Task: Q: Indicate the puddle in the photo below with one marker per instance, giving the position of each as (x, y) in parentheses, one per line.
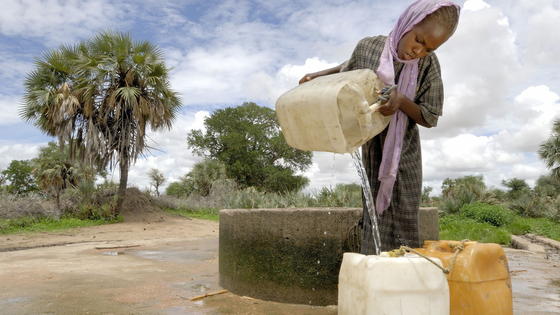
(196, 251)
(14, 300)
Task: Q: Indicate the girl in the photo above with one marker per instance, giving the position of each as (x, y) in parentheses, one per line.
(393, 158)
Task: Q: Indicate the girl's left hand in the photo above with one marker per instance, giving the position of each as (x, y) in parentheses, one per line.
(392, 105)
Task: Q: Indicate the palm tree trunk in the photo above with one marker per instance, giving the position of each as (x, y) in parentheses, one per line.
(123, 163)
(58, 201)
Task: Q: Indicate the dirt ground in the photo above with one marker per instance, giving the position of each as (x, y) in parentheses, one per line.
(172, 259)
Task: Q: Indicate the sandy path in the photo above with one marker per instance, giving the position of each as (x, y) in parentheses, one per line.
(165, 228)
(64, 273)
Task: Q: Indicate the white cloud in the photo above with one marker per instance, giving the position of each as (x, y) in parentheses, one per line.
(9, 107)
(534, 111)
(475, 5)
(14, 151)
(13, 70)
(59, 21)
(479, 67)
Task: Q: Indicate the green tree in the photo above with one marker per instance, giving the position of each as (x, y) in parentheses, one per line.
(179, 189)
(425, 198)
(517, 187)
(54, 171)
(156, 179)
(549, 151)
(548, 185)
(19, 175)
(248, 140)
(100, 96)
(200, 179)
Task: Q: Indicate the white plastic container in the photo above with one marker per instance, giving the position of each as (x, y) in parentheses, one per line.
(333, 113)
(391, 286)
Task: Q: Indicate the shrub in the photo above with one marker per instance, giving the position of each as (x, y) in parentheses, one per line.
(461, 191)
(32, 204)
(343, 195)
(485, 213)
(532, 205)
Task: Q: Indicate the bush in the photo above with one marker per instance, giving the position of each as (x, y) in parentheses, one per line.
(30, 205)
(343, 195)
(485, 213)
(461, 191)
(533, 205)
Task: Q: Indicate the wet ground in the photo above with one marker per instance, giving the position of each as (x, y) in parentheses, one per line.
(160, 275)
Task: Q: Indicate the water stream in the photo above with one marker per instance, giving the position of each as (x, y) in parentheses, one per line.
(357, 158)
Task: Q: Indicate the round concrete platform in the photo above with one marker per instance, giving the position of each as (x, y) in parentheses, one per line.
(293, 255)
(285, 255)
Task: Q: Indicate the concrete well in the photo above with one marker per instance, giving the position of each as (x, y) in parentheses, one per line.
(291, 255)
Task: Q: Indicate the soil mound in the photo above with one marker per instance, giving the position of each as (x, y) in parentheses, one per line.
(140, 207)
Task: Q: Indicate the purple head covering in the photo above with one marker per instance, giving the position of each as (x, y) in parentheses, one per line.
(392, 147)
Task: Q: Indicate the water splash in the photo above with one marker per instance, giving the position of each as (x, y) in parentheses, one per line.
(357, 158)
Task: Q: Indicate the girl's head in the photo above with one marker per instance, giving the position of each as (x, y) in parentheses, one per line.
(427, 35)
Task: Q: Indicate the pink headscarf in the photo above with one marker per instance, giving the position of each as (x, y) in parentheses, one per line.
(392, 148)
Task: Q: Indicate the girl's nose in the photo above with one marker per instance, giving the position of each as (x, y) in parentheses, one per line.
(417, 50)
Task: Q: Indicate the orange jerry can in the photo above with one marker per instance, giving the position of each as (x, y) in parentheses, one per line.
(479, 281)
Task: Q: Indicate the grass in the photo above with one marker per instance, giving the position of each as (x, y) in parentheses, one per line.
(542, 226)
(457, 227)
(30, 224)
(211, 214)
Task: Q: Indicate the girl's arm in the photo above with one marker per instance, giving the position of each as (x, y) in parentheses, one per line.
(311, 76)
(411, 109)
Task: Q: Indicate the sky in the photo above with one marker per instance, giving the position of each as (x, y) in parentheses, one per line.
(500, 72)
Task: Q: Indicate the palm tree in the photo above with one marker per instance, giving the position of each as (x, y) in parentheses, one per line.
(54, 172)
(550, 150)
(99, 96)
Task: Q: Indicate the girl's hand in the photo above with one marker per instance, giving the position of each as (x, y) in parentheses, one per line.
(310, 76)
(392, 105)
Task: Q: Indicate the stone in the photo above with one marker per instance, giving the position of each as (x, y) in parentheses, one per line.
(428, 224)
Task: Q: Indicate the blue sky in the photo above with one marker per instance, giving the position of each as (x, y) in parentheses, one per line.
(500, 72)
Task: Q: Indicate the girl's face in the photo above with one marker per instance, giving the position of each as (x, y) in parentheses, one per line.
(421, 40)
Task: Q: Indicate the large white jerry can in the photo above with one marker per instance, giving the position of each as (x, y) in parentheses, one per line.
(333, 113)
(375, 285)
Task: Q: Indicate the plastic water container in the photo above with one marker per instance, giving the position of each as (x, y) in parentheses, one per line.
(391, 285)
(333, 113)
(479, 281)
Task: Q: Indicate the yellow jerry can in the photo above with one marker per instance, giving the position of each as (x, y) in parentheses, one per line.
(478, 278)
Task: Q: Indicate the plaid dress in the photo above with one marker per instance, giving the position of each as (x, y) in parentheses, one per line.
(398, 225)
